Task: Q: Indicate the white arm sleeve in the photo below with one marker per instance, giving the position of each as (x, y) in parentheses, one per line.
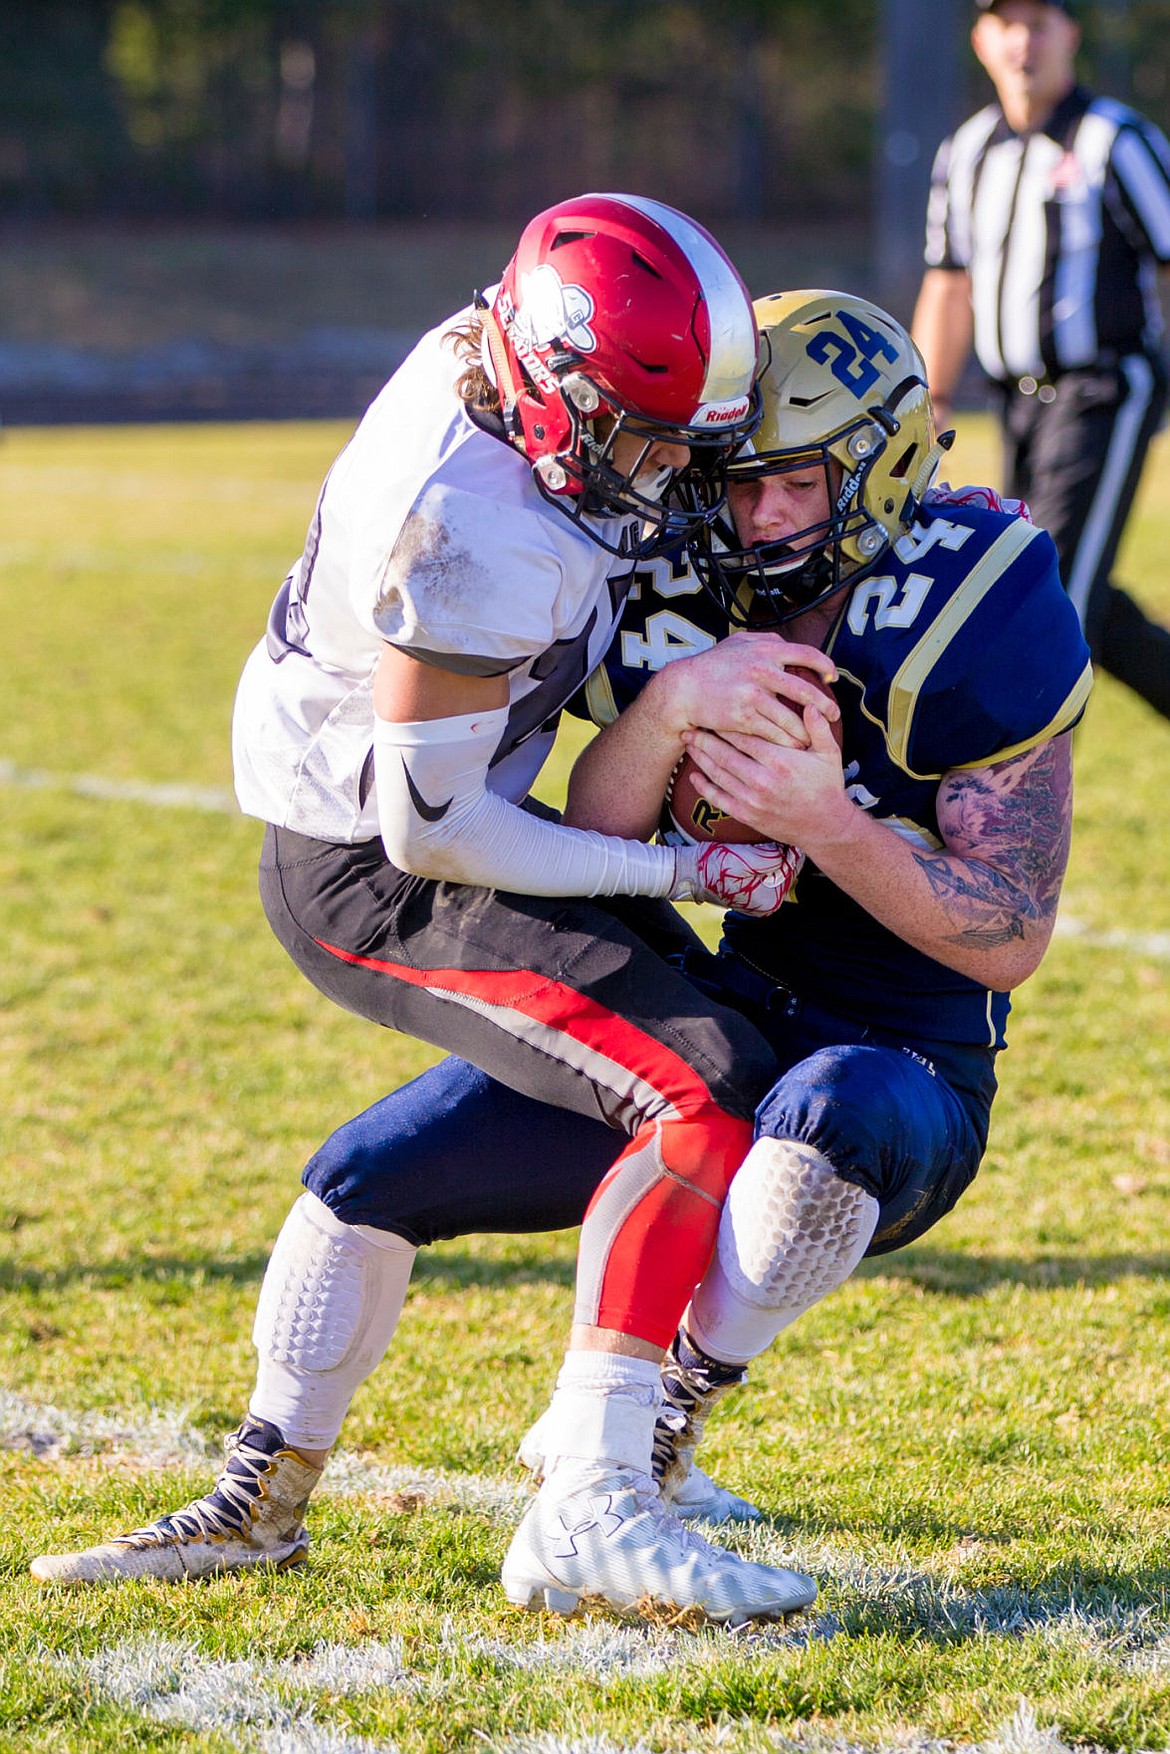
(439, 820)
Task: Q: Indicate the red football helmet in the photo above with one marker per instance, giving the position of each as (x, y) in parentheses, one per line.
(618, 315)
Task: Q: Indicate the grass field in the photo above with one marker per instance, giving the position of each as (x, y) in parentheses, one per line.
(968, 1445)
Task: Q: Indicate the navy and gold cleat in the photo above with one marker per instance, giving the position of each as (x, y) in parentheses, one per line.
(254, 1515)
(692, 1384)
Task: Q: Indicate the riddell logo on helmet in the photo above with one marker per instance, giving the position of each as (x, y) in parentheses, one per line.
(722, 413)
(848, 489)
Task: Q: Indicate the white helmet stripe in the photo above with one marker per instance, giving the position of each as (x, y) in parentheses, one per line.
(732, 364)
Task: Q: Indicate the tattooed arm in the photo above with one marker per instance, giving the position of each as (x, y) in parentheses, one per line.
(1006, 829)
(984, 904)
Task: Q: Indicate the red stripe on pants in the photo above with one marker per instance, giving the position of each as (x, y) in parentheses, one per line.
(657, 1254)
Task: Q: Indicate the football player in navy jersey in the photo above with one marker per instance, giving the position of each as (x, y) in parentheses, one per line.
(935, 840)
(934, 846)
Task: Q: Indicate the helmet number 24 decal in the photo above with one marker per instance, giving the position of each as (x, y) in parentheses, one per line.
(853, 365)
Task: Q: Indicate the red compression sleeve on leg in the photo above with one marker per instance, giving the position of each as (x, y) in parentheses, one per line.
(650, 1230)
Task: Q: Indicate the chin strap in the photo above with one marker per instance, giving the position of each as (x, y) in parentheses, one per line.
(501, 373)
(929, 466)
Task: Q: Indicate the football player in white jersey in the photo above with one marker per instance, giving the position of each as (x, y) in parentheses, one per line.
(464, 570)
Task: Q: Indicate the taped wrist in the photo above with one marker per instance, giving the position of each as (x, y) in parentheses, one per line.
(438, 819)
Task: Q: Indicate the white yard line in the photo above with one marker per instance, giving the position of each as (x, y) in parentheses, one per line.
(1020, 1734)
(154, 1439)
(1153, 944)
(249, 1702)
(171, 1682)
(166, 1439)
(217, 799)
(486, 1494)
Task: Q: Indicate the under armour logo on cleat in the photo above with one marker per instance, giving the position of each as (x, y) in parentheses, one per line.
(428, 812)
(604, 1518)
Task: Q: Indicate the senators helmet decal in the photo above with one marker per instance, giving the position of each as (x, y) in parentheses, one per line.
(549, 309)
(620, 317)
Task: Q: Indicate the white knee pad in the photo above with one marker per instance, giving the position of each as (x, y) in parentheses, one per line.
(791, 1232)
(329, 1305)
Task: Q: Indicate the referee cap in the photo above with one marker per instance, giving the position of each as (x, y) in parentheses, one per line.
(1060, 5)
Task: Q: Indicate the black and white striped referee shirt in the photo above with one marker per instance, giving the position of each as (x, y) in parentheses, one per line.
(1061, 231)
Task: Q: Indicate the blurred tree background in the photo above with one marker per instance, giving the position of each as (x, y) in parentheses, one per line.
(333, 174)
(383, 109)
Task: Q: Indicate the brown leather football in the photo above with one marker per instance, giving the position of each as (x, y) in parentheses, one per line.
(695, 817)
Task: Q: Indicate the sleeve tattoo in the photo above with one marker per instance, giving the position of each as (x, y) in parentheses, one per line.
(1007, 830)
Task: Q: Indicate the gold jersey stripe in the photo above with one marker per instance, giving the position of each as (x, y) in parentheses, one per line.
(907, 684)
(599, 697)
(1072, 707)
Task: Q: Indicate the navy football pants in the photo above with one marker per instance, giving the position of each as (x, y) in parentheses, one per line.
(454, 1153)
(1077, 461)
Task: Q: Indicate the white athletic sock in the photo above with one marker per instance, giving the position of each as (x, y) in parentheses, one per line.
(603, 1410)
(329, 1305)
(791, 1232)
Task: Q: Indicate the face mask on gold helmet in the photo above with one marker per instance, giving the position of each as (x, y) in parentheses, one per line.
(844, 390)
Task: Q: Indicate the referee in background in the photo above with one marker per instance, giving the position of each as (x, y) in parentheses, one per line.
(1049, 217)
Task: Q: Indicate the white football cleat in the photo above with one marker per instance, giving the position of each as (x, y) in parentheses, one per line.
(596, 1532)
(252, 1516)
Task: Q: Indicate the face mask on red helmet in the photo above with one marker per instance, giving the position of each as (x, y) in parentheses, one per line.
(620, 325)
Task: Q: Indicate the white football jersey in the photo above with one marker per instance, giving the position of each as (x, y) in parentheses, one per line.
(429, 533)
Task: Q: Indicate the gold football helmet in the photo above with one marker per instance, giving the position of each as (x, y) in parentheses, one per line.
(844, 390)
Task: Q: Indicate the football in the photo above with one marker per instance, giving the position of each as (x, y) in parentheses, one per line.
(694, 818)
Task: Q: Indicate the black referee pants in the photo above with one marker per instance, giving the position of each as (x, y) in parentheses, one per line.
(1076, 460)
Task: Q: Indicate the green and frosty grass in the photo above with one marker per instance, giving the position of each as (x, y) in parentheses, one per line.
(967, 1445)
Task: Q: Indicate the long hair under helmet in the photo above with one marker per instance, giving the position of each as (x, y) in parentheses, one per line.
(616, 315)
(844, 390)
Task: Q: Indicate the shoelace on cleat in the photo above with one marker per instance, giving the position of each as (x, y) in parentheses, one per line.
(690, 1391)
(226, 1510)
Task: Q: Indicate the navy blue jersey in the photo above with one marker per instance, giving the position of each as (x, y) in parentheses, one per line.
(963, 649)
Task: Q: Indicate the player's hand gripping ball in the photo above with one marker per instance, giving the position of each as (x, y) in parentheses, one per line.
(695, 819)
